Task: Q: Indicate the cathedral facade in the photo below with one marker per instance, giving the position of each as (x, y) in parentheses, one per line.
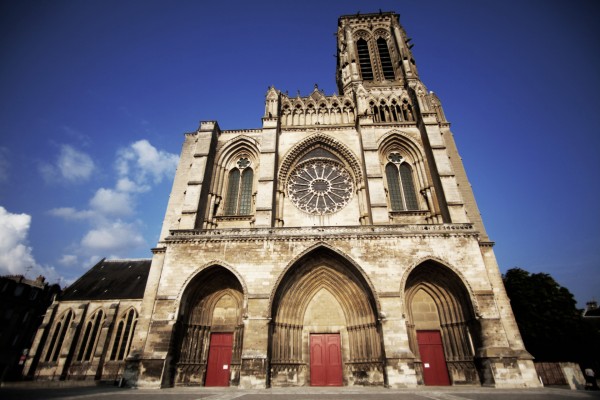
(339, 244)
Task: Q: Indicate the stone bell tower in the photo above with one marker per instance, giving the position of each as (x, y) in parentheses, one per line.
(374, 50)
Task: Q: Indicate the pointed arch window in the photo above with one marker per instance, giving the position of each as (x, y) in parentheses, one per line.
(58, 336)
(123, 335)
(401, 185)
(90, 337)
(386, 60)
(239, 189)
(364, 60)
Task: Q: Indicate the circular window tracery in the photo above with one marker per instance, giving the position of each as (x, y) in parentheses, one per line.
(320, 186)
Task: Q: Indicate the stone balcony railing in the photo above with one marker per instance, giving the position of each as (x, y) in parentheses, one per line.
(322, 232)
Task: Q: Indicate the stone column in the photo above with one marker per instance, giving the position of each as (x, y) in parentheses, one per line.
(254, 368)
(141, 366)
(399, 359)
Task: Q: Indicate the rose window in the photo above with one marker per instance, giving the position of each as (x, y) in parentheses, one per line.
(320, 186)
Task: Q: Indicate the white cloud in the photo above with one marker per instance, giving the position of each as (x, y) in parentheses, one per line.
(4, 164)
(74, 165)
(68, 260)
(71, 166)
(16, 257)
(129, 186)
(71, 213)
(144, 161)
(111, 232)
(116, 238)
(110, 202)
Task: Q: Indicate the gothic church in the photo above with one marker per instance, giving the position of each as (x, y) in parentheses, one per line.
(339, 244)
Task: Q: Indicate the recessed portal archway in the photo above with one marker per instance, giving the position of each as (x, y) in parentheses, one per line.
(324, 302)
(210, 330)
(443, 331)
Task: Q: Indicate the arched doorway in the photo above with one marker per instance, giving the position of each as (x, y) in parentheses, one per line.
(443, 331)
(324, 330)
(210, 330)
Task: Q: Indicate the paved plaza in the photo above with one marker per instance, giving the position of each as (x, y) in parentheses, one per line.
(303, 393)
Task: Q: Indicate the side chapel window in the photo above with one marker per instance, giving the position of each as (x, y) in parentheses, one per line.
(123, 335)
(90, 337)
(400, 182)
(239, 189)
(58, 336)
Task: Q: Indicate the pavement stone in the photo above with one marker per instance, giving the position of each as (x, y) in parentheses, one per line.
(23, 392)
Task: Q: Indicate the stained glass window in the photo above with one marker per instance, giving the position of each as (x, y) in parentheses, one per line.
(401, 186)
(320, 186)
(239, 189)
(233, 189)
(124, 335)
(246, 192)
(391, 173)
(88, 343)
(408, 187)
(58, 336)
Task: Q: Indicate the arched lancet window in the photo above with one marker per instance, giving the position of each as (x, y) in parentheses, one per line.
(396, 111)
(90, 337)
(384, 112)
(407, 111)
(400, 182)
(364, 59)
(58, 336)
(123, 335)
(386, 60)
(239, 189)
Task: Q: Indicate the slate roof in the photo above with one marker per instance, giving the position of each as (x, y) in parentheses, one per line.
(111, 279)
(594, 312)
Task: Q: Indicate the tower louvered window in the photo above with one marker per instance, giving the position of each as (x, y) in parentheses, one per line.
(386, 60)
(364, 59)
(239, 189)
(401, 187)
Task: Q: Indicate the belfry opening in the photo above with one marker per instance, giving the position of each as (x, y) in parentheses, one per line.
(324, 329)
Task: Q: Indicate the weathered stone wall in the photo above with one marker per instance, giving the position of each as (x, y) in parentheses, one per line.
(384, 256)
(67, 365)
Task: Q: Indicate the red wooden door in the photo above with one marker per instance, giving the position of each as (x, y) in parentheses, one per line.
(435, 371)
(325, 360)
(219, 359)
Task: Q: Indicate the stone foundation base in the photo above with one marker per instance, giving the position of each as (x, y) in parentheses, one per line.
(401, 373)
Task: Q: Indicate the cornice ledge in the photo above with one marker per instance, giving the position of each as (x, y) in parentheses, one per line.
(322, 233)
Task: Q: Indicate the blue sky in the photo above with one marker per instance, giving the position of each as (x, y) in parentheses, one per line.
(95, 97)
